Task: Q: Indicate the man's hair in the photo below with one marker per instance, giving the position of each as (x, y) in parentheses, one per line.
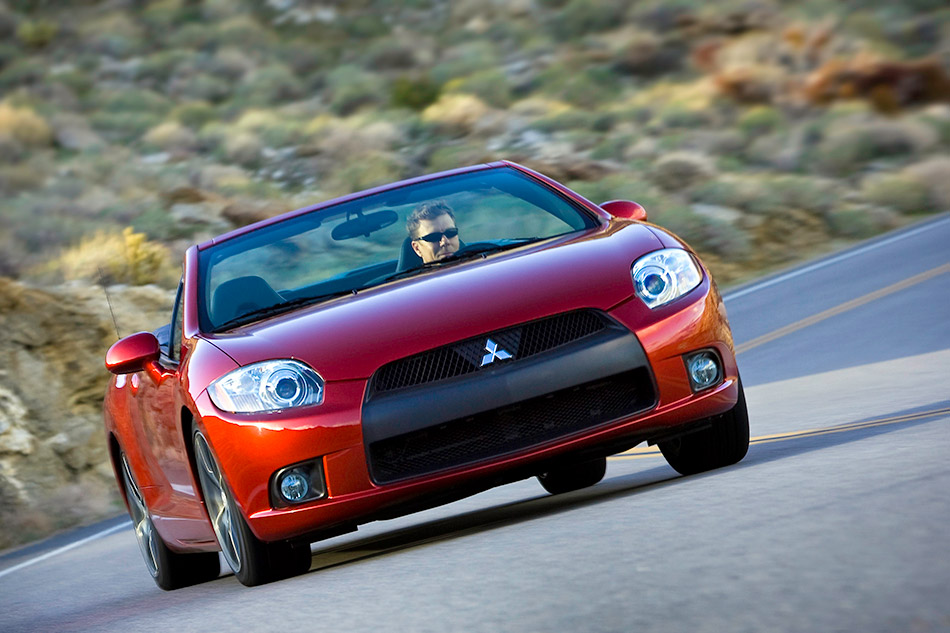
(428, 210)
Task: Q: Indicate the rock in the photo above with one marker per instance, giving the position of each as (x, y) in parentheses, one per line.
(16, 440)
(53, 453)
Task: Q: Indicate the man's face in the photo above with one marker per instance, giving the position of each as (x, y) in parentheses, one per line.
(445, 246)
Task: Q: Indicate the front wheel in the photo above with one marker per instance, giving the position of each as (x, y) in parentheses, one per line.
(723, 443)
(253, 561)
(573, 476)
(169, 569)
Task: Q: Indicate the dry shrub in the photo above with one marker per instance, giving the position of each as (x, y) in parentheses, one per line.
(370, 170)
(705, 233)
(787, 237)
(452, 155)
(730, 190)
(681, 170)
(860, 221)
(126, 257)
(273, 128)
(115, 34)
(414, 93)
(752, 83)
(849, 145)
(24, 126)
(890, 86)
(171, 136)
(769, 195)
(243, 148)
(785, 192)
(353, 136)
(760, 119)
(458, 113)
(901, 192)
(37, 33)
(934, 173)
(20, 177)
(697, 97)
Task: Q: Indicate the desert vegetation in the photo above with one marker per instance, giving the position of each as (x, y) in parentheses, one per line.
(763, 131)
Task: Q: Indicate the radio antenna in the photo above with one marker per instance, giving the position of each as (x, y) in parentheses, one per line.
(115, 322)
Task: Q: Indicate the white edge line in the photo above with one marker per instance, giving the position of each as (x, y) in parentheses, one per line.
(65, 548)
(832, 260)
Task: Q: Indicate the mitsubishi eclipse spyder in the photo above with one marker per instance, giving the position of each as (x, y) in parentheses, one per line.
(405, 347)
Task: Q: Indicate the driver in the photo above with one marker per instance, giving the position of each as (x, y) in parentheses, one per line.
(431, 227)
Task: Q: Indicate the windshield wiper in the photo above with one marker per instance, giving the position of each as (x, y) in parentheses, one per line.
(279, 308)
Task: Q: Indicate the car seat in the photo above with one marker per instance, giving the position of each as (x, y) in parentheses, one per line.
(241, 295)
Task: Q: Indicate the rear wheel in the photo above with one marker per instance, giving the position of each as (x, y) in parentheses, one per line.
(573, 476)
(169, 569)
(252, 560)
(723, 443)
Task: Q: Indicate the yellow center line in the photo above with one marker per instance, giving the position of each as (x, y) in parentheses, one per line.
(844, 307)
(652, 451)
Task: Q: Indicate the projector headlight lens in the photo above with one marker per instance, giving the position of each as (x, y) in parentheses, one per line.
(664, 275)
(272, 385)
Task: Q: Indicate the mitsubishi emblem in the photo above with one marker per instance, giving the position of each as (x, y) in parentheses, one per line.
(493, 352)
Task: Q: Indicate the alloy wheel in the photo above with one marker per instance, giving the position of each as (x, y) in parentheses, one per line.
(220, 509)
(141, 521)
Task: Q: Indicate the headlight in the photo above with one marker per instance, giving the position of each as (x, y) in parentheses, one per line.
(269, 386)
(662, 276)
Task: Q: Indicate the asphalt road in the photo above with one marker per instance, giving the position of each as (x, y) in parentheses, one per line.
(837, 520)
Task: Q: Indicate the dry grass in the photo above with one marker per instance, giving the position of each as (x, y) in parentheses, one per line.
(24, 126)
(126, 257)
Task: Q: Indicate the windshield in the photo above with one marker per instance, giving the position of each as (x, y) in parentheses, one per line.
(365, 242)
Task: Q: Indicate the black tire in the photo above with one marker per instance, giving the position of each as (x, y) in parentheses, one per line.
(574, 476)
(170, 570)
(253, 561)
(724, 443)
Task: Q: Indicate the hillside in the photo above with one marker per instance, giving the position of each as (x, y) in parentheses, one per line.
(763, 132)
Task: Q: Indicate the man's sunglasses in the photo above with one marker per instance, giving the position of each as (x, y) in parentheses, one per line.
(435, 238)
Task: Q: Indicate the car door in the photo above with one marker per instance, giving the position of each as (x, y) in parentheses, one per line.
(176, 508)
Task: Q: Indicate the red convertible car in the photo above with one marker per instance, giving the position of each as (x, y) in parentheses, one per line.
(402, 348)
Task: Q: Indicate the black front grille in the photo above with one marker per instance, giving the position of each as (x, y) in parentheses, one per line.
(511, 428)
(464, 357)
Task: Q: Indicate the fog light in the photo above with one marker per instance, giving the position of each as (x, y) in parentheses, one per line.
(704, 370)
(294, 486)
(298, 483)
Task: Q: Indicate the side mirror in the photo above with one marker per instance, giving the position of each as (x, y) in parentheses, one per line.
(133, 353)
(625, 209)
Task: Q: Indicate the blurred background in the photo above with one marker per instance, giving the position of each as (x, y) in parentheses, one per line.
(762, 132)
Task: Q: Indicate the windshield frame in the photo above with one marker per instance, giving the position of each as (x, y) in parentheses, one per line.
(211, 251)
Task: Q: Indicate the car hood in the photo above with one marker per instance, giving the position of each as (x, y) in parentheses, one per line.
(348, 338)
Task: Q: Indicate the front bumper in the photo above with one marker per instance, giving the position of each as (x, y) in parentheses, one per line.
(360, 439)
